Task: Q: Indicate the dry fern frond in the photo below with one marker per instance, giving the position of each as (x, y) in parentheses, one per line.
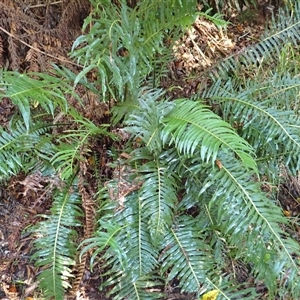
(89, 210)
(44, 28)
(14, 58)
(31, 57)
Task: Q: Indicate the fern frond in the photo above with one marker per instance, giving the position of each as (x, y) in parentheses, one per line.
(113, 46)
(56, 246)
(193, 128)
(145, 122)
(284, 29)
(263, 112)
(245, 215)
(130, 262)
(73, 143)
(17, 142)
(25, 91)
(144, 287)
(185, 255)
(158, 197)
(190, 126)
(126, 108)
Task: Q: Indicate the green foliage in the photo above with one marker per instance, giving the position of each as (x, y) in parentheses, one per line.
(17, 142)
(56, 244)
(194, 200)
(265, 115)
(284, 29)
(125, 45)
(27, 92)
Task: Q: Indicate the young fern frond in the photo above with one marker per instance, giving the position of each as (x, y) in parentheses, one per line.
(56, 244)
(145, 120)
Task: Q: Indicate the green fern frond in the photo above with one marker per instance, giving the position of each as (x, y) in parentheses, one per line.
(145, 122)
(193, 128)
(263, 113)
(245, 215)
(185, 255)
(158, 197)
(144, 287)
(130, 262)
(26, 92)
(285, 29)
(56, 246)
(74, 143)
(124, 109)
(113, 46)
(104, 237)
(190, 126)
(17, 142)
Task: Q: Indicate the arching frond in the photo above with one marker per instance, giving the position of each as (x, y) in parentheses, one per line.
(27, 92)
(284, 29)
(246, 215)
(194, 128)
(190, 126)
(263, 113)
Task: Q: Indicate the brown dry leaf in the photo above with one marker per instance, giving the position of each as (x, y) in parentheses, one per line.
(32, 183)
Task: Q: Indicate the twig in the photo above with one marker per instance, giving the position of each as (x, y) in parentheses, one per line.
(42, 5)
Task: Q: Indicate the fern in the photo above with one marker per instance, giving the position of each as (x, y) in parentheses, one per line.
(132, 263)
(284, 29)
(192, 200)
(113, 47)
(56, 244)
(27, 92)
(191, 159)
(265, 118)
(72, 146)
(17, 142)
(187, 259)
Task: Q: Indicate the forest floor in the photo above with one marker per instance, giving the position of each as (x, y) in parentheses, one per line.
(196, 53)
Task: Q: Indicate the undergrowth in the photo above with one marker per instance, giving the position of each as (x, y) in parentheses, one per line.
(186, 196)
